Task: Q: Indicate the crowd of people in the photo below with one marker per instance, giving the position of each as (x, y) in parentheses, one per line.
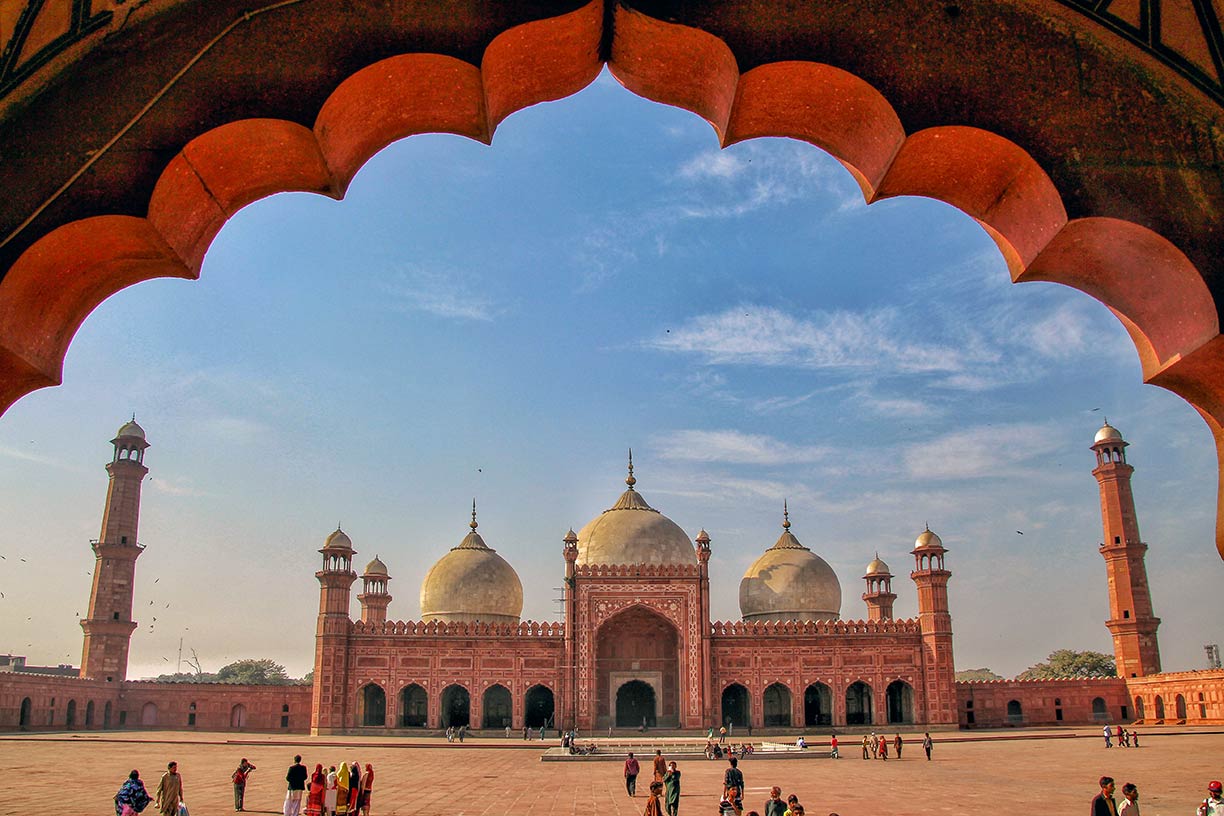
(339, 790)
(1126, 739)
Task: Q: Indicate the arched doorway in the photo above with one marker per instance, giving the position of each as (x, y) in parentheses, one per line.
(900, 699)
(496, 706)
(1159, 707)
(70, 714)
(640, 645)
(27, 709)
(456, 706)
(238, 716)
(538, 707)
(148, 714)
(735, 705)
(1099, 711)
(636, 705)
(414, 707)
(777, 706)
(89, 714)
(1179, 706)
(817, 705)
(858, 704)
(106, 715)
(1015, 712)
(372, 706)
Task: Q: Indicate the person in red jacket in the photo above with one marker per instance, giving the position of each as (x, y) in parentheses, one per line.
(631, 773)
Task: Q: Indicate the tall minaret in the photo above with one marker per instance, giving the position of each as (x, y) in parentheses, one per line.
(1130, 602)
(109, 625)
(931, 579)
(374, 597)
(879, 595)
(328, 707)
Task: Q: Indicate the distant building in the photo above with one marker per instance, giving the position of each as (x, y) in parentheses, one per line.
(636, 646)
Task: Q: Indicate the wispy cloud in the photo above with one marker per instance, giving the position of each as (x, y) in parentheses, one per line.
(762, 335)
(31, 456)
(733, 447)
(989, 450)
(172, 488)
(449, 294)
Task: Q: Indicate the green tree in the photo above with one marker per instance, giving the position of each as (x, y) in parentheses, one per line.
(1070, 663)
(263, 672)
(976, 676)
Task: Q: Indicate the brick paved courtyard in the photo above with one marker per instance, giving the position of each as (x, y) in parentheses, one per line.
(970, 774)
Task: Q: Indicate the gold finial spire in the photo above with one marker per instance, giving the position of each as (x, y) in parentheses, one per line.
(630, 480)
(785, 516)
(472, 523)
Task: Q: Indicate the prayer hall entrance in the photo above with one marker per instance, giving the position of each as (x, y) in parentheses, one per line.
(637, 668)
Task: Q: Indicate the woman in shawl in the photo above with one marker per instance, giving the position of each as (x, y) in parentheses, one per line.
(355, 788)
(342, 789)
(314, 797)
(368, 788)
(132, 796)
(653, 807)
(329, 796)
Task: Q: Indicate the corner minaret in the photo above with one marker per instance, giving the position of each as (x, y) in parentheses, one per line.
(939, 672)
(328, 708)
(374, 597)
(879, 595)
(109, 625)
(1131, 620)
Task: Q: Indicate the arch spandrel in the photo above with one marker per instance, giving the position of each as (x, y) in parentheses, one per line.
(1109, 121)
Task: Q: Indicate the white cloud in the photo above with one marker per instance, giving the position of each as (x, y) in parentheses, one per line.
(448, 294)
(31, 456)
(897, 407)
(734, 447)
(990, 450)
(759, 335)
(171, 488)
(712, 164)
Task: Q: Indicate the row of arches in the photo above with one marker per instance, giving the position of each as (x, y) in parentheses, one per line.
(778, 710)
(1180, 708)
(72, 716)
(455, 707)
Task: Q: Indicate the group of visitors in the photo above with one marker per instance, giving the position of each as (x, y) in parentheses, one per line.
(717, 750)
(1126, 739)
(1105, 804)
(133, 798)
(665, 783)
(456, 733)
(340, 790)
(876, 747)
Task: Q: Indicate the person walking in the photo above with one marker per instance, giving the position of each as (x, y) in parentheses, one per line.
(774, 806)
(671, 785)
(1213, 805)
(367, 789)
(132, 797)
(240, 779)
(897, 743)
(1108, 732)
(296, 779)
(1130, 800)
(1103, 803)
(833, 747)
(1123, 742)
(653, 805)
(314, 795)
(883, 752)
(329, 793)
(927, 744)
(733, 785)
(660, 766)
(170, 791)
(632, 768)
(865, 748)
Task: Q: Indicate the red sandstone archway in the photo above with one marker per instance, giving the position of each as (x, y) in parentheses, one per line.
(991, 161)
(638, 645)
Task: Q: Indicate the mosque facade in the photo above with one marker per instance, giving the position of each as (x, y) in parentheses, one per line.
(636, 647)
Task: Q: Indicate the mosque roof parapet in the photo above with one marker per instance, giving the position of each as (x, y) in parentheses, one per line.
(634, 570)
(525, 629)
(1092, 678)
(742, 628)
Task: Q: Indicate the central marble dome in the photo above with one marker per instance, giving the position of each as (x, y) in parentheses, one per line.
(472, 583)
(789, 582)
(632, 532)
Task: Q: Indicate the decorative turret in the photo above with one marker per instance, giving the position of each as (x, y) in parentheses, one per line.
(931, 580)
(374, 598)
(879, 595)
(1131, 619)
(109, 625)
(329, 712)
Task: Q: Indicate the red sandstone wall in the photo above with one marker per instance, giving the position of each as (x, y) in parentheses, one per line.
(1040, 702)
(1201, 693)
(50, 699)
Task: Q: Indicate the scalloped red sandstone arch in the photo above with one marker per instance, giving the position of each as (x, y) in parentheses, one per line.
(1146, 281)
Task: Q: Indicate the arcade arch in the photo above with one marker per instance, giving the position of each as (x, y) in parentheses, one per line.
(735, 707)
(776, 703)
(238, 716)
(456, 706)
(148, 714)
(414, 706)
(899, 699)
(637, 670)
(539, 705)
(372, 705)
(496, 707)
(859, 704)
(818, 705)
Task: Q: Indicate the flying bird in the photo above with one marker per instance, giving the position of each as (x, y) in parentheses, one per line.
(1019, 533)
(155, 580)
(1096, 409)
(23, 560)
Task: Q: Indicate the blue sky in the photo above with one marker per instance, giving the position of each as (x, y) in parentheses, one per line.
(502, 323)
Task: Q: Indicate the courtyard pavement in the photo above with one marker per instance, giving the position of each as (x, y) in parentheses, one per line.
(1048, 772)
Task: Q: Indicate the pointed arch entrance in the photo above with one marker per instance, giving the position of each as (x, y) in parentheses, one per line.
(456, 706)
(900, 700)
(859, 704)
(776, 705)
(818, 705)
(414, 706)
(538, 707)
(496, 706)
(637, 670)
(735, 706)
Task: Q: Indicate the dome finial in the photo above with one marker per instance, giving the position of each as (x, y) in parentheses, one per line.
(630, 480)
(472, 523)
(785, 516)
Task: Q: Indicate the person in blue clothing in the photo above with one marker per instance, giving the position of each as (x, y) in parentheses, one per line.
(132, 796)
